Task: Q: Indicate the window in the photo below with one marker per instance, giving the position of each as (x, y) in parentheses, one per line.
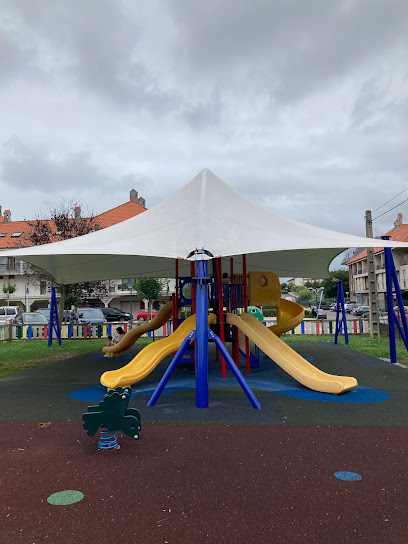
(16, 234)
(3, 234)
(43, 287)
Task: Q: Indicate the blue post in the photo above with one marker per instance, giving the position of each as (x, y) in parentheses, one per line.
(400, 302)
(343, 322)
(390, 306)
(170, 370)
(53, 317)
(234, 369)
(201, 337)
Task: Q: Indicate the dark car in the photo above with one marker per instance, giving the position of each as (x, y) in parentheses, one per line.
(30, 318)
(44, 311)
(324, 305)
(362, 311)
(87, 315)
(350, 307)
(113, 314)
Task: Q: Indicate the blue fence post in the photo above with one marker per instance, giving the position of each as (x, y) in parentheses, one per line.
(54, 321)
(343, 322)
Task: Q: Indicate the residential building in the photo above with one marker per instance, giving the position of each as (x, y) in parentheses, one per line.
(32, 291)
(358, 274)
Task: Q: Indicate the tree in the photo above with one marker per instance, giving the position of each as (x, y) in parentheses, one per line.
(330, 284)
(9, 289)
(302, 293)
(63, 223)
(150, 289)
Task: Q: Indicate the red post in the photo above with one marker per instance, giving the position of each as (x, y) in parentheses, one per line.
(232, 292)
(221, 312)
(233, 298)
(245, 287)
(175, 299)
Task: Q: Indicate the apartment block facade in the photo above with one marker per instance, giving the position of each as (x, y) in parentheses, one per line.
(358, 274)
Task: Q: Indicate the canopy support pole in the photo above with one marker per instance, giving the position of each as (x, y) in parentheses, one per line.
(201, 335)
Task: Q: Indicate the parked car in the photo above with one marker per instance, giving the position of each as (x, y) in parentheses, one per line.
(324, 305)
(45, 312)
(397, 310)
(350, 307)
(8, 313)
(142, 314)
(66, 314)
(333, 307)
(362, 311)
(30, 318)
(87, 315)
(113, 314)
(321, 314)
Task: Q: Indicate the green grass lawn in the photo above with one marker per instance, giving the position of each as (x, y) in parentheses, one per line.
(377, 347)
(23, 354)
(20, 355)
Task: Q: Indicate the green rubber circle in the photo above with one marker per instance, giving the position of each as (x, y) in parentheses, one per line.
(62, 498)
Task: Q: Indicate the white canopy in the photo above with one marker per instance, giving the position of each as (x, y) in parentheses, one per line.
(204, 214)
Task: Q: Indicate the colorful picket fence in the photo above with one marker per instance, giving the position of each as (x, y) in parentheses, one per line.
(77, 332)
(323, 326)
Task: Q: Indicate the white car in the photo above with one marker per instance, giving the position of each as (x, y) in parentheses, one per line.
(8, 313)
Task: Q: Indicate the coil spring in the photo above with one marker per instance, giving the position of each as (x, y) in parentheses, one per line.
(108, 440)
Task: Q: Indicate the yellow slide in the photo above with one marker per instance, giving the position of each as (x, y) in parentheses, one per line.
(300, 369)
(289, 316)
(162, 316)
(147, 359)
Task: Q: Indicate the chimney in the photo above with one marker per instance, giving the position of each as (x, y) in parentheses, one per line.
(77, 213)
(133, 195)
(7, 217)
(397, 222)
(142, 201)
(0, 211)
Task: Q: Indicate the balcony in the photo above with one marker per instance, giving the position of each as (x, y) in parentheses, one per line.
(10, 269)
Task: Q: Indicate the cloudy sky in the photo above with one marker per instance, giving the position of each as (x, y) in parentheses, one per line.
(300, 106)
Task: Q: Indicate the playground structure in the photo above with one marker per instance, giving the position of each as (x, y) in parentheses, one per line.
(162, 316)
(263, 289)
(206, 215)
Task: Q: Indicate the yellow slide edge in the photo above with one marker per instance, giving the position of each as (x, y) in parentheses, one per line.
(288, 359)
(149, 357)
(162, 316)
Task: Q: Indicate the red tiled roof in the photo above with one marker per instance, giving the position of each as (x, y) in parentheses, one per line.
(120, 213)
(401, 235)
(106, 219)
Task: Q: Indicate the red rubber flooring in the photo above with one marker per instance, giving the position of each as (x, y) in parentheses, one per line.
(201, 484)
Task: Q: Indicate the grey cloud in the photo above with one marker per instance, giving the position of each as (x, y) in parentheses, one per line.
(31, 167)
(289, 48)
(99, 41)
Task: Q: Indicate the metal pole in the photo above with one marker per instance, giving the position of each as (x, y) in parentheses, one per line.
(372, 281)
(175, 300)
(245, 287)
(201, 337)
(221, 314)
